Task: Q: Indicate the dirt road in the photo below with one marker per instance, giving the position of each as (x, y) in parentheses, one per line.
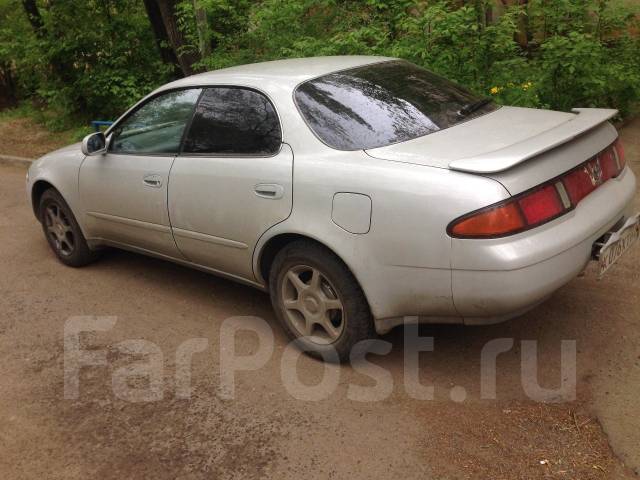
(264, 431)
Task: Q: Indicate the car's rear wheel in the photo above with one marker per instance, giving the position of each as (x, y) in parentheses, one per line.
(318, 301)
(62, 231)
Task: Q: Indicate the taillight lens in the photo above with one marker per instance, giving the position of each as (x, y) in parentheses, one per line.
(498, 221)
(515, 215)
(608, 164)
(543, 203)
(579, 182)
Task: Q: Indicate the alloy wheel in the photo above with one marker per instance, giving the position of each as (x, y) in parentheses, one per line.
(312, 305)
(59, 229)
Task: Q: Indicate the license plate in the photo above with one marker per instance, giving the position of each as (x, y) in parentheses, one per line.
(618, 243)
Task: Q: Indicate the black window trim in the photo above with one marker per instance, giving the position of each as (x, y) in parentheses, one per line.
(180, 152)
(304, 119)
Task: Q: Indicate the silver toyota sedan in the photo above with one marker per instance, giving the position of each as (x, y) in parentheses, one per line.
(361, 192)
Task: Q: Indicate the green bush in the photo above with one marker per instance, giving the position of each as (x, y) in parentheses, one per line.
(92, 59)
(96, 57)
(578, 53)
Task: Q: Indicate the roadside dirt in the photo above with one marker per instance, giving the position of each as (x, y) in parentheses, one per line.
(265, 432)
(23, 137)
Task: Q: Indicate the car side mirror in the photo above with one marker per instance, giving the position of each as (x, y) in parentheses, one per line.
(94, 144)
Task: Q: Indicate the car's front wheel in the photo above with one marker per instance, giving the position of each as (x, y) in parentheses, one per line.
(318, 301)
(62, 231)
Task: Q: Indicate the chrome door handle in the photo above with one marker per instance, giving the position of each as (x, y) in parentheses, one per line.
(152, 181)
(269, 190)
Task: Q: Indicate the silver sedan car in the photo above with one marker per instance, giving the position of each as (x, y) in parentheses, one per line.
(361, 192)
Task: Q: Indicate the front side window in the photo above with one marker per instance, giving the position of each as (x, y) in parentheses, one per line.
(157, 126)
(231, 120)
(384, 103)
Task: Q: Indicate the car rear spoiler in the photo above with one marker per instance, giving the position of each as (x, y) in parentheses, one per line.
(500, 160)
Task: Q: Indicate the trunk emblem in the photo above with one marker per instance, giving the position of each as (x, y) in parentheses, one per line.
(594, 171)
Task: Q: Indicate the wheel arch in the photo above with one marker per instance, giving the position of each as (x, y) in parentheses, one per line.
(37, 190)
(268, 251)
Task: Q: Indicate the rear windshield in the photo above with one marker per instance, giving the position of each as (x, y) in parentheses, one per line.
(384, 103)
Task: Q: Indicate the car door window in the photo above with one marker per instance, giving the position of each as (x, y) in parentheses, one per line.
(231, 120)
(157, 126)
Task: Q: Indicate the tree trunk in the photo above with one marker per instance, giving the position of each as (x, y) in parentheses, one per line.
(35, 19)
(176, 37)
(523, 26)
(522, 35)
(204, 44)
(8, 94)
(162, 38)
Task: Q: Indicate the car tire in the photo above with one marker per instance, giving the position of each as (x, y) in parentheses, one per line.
(318, 301)
(62, 231)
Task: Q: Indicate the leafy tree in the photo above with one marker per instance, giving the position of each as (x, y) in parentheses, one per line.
(92, 58)
(96, 57)
(554, 54)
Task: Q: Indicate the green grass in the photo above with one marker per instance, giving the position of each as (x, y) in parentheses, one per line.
(22, 110)
(73, 128)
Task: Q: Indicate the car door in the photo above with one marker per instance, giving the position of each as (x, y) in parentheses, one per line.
(232, 180)
(124, 192)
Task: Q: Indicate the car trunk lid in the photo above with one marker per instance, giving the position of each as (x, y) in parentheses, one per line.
(497, 141)
(502, 144)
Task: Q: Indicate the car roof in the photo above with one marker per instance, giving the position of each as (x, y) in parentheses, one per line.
(288, 72)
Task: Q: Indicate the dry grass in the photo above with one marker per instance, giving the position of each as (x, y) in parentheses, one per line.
(524, 441)
(24, 137)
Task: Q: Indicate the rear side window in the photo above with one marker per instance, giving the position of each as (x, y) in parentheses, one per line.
(231, 120)
(384, 103)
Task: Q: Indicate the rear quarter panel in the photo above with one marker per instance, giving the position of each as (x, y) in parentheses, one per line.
(403, 261)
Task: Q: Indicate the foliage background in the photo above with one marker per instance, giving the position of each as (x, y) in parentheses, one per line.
(94, 58)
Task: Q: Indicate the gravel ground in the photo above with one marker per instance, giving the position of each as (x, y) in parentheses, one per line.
(265, 432)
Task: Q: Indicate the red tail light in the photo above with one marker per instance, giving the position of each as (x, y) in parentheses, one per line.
(579, 182)
(543, 203)
(608, 164)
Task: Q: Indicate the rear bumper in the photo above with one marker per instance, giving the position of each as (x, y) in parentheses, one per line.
(493, 280)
